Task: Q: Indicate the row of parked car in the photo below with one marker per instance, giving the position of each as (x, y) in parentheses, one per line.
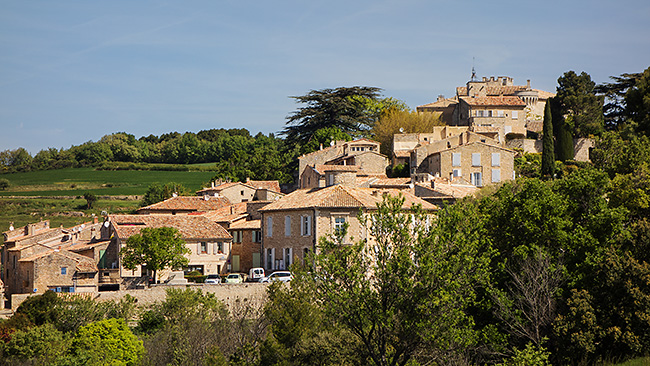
(254, 275)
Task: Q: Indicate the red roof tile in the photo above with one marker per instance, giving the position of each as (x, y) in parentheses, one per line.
(190, 226)
(188, 203)
(494, 101)
(341, 196)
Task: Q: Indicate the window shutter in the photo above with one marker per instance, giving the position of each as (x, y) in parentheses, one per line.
(496, 159)
(455, 159)
(269, 226)
(287, 226)
(476, 159)
(496, 175)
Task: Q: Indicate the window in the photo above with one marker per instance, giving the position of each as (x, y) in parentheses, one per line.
(500, 113)
(287, 254)
(64, 270)
(203, 247)
(330, 179)
(242, 193)
(269, 226)
(257, 236)
(220, 247)
(339, 223)
(476, 179)
(237, 236)
(305, 225)
(455, 159)
(287, 226)
(476, 159)
(457, 173)
(496, 159)
(496, 175)
(270, 258)
(515, 114)
(508, 129)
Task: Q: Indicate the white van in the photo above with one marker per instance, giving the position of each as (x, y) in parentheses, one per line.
(255, 274)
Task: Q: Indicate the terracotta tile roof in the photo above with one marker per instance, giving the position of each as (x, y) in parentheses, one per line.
(322, 168)
(440, 103)
(85, 245)
(190, 226)
(449, 190)
(541, 94)
(495, 90)
(271, 185)
(188, 203)
(391, 182)
(494, 101)
(83, 264)
(246, 225)
(341, 196)
(402, 153)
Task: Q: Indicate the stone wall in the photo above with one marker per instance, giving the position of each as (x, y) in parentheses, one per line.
(228, 293)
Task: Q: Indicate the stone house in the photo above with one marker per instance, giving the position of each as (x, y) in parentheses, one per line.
(476, 162)
(33, 257)
(209, 243)
(246, 245)
(183, 205)
(242, 221)
(59, 271)
(344, 153)
(487, 111)
(251, 190)
(292, 225)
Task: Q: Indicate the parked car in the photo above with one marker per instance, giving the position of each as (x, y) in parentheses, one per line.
(213, 279)
(235, 278)
(255, 274)
(284, 276)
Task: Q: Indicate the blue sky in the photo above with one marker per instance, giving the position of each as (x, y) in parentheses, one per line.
(73, 71)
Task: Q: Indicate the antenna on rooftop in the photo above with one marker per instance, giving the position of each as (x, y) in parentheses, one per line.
(473, 70)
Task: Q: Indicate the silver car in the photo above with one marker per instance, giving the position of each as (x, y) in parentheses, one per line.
(284, 276)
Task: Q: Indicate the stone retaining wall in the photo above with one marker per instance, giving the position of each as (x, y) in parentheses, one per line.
(228, 293)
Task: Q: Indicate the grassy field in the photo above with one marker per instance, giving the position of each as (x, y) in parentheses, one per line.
(75, 182)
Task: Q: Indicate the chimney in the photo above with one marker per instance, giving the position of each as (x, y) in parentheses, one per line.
(321, 146)
(528, 84)
(212, 184)
(441, 97)
(375, 193)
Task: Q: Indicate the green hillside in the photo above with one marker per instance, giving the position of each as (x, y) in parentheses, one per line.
(76, 181)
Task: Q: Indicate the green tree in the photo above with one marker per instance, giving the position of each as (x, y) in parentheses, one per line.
(637, 103)
(394, 121)
(90, 198)
(158, 248)
(41, 345)
(4, 184)
(548, 152)
(581, 108)
(329, 108)
(107, 342)
(406, 296)
(563, 131)
(158, 193)
(323, 138)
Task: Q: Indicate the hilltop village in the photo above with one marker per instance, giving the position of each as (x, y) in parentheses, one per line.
(236, 226)
(504, 225)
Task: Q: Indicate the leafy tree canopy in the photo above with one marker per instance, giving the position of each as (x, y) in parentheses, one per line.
(581, 107)
(395, 120)
(158, 193)
(340, 107)
(158, 248)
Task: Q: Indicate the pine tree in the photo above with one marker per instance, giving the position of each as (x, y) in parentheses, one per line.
(548, 153)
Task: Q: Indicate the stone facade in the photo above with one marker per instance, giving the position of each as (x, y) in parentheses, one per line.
(292, 226)
(478, 163)
(339, 150)
(246, 246)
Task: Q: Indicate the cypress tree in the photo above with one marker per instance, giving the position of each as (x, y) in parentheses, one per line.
(548, 152)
